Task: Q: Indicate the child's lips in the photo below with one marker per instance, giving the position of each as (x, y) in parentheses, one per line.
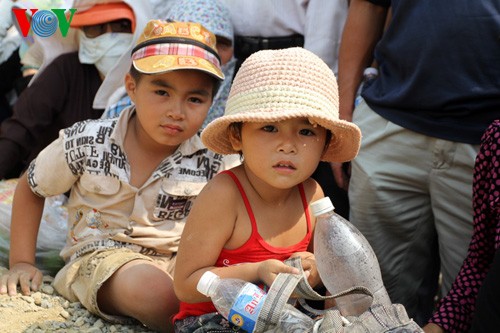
(171, 128)
(284, 165)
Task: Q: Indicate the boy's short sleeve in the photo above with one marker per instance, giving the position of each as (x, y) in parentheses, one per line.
(49, 174)
(230, 161)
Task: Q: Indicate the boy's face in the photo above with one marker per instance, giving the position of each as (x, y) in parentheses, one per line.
(282, 153)
(172, 106)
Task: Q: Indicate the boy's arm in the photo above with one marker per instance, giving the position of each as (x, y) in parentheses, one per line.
(27, 210)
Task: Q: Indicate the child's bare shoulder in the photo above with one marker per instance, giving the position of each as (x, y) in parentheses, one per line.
(312, 189)
(222, 187)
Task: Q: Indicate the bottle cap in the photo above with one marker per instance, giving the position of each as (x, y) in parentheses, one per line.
(321, 206)
(370, 71)
(205, 282)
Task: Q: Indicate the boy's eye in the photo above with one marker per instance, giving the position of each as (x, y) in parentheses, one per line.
(195, 100)
(161, 92)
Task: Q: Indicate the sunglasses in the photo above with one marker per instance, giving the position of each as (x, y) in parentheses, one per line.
(93, 31)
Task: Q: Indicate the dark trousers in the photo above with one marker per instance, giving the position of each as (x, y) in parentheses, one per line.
(487, 316)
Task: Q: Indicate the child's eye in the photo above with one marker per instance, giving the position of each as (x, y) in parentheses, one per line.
(269, 128)
(161, 92)
(195, 100)
(306, 132)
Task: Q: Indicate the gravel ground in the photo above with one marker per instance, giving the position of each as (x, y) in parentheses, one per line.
(45, 311)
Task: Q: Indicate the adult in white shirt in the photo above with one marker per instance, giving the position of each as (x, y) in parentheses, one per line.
(320, 22)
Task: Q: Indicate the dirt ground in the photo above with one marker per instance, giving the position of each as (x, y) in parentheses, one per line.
(17, 313)
(45, 311)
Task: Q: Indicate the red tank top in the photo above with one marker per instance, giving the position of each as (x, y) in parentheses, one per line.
(255, 249)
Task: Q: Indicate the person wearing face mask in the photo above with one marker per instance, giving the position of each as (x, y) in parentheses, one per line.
(79, 74)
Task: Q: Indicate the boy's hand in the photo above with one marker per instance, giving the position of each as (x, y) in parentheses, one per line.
(309, 266)
(27, 276)
(269, 269)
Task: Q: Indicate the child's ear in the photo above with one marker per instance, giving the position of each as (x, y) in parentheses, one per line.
(234, 138)
(130, 86)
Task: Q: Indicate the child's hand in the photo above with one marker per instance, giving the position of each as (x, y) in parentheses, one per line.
(269, 269)
(27, 276)
(309, 266)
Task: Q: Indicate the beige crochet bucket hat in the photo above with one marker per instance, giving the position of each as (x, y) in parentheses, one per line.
(273, 85)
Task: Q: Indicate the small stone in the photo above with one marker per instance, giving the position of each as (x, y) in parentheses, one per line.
(76, 305)
(49, 290)
(93, 330)
(98, 323)
(37, 297)
(48, 279)
(46, 304)
(28, 299)
(79, 322)
(65, 314)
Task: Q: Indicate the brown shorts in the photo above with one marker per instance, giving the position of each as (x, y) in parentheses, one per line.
(81, 278)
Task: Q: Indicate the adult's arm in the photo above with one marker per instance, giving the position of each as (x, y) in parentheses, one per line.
(363, 29)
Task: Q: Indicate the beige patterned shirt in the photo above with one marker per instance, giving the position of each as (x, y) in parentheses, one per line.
(104, 210)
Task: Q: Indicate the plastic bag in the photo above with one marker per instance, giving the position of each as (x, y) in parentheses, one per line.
(51, 235)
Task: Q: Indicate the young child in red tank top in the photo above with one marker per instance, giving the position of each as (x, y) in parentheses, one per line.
(282, 118)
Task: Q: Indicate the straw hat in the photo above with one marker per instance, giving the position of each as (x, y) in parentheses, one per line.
(274, 85)
(165, 46)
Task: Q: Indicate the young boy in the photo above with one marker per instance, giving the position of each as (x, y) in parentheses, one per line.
(133, 180)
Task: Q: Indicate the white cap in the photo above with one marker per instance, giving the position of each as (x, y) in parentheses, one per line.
(206, 281)
(370, 71)
(321, 206)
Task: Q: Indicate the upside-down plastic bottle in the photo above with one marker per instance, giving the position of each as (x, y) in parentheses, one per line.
(345, 259)
(240, 302)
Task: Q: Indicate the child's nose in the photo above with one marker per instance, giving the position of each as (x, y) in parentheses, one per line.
(287, 145)
(175, 110)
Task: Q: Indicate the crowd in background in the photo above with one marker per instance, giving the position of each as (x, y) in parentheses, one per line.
(423, 188)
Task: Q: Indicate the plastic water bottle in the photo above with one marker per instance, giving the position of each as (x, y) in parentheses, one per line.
(240, 302)
(345, 259)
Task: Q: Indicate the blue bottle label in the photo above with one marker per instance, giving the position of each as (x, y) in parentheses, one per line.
(246, 307)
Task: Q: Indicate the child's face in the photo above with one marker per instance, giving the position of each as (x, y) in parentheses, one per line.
(172, 106)
(283, 153)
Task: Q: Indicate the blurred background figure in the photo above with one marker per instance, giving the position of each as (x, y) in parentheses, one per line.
(473, 302)
(422, 119)
(275, 24)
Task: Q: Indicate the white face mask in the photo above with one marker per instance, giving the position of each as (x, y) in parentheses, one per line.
(103, 51)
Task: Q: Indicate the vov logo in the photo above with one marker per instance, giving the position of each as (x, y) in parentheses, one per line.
(44, 23)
